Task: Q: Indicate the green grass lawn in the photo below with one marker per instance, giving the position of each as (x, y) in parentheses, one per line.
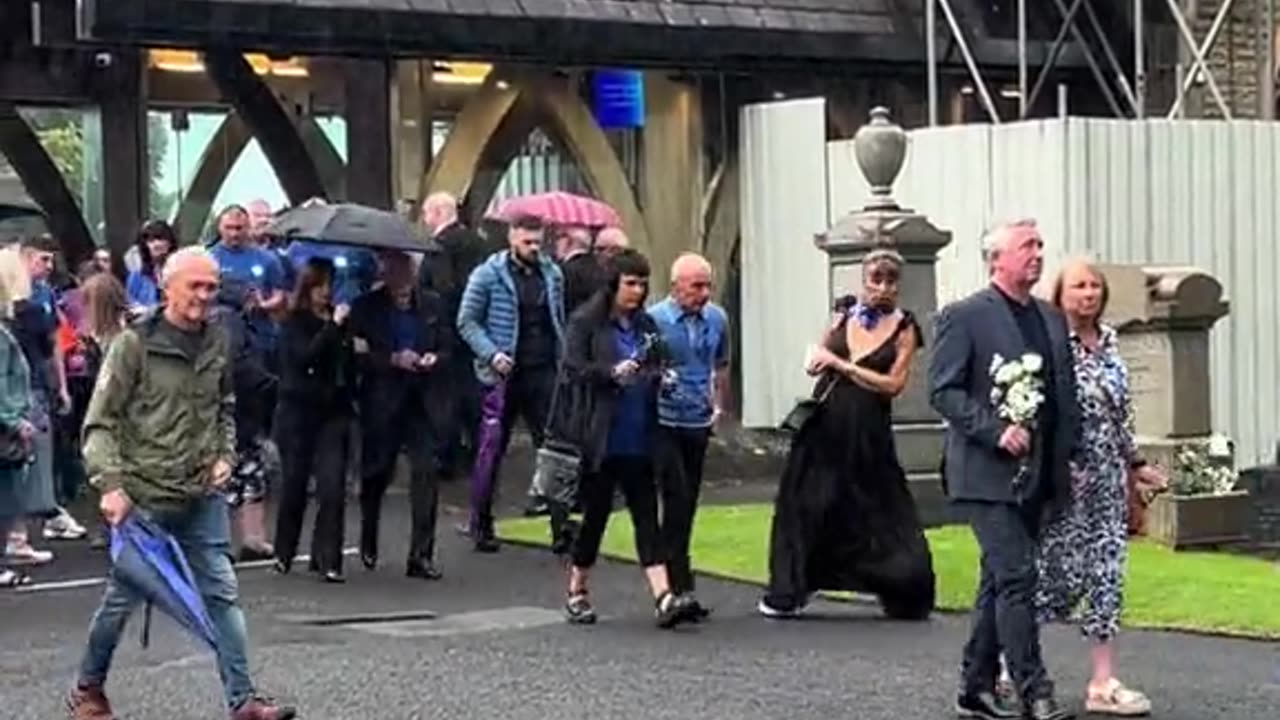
(1184, 590)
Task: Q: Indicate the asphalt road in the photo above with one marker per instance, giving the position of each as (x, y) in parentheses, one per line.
(488, 642)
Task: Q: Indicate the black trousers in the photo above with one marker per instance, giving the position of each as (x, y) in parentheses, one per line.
(457, 441)
(635, 475)
(680, 453)
(1004, 612)
(382, 438)
(312, 441)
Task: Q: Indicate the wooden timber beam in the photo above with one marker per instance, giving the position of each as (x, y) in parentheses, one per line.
(271, 125)
(45, 184)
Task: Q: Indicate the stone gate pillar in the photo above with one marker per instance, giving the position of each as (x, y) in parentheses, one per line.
(880, 148)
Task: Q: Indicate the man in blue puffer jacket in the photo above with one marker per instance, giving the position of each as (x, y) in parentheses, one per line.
(512, 317)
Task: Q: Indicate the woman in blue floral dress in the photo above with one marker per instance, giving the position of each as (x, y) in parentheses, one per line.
(1083, 554)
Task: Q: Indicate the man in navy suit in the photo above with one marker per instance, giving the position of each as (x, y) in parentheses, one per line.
(984, 454)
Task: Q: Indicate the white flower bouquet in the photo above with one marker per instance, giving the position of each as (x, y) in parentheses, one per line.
(1017, 392)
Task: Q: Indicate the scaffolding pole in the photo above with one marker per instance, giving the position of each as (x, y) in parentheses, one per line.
(1022, 58)
(969, 61)
(1268, 76)
(1200, 64)
(1140, 58)
(931, 57)
(1054, 50)
(1107, 50)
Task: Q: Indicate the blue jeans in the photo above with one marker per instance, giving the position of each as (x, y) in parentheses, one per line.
(202, 531)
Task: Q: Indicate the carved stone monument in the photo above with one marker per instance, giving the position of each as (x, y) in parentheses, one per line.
(880, 148)
(1163, 316)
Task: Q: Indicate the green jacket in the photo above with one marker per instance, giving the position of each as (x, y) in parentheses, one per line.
(159, 420)
(15, 382)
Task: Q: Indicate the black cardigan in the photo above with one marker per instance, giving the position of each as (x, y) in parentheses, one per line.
(586, 393)
(317, 365)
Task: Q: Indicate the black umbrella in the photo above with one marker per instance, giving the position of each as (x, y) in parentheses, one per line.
(348, 224)
(21, 221)
(10, 210)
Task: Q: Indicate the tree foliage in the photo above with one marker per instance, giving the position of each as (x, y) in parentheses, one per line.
(62, 134)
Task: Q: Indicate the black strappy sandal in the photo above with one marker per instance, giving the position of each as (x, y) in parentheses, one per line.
(578, 609)
(670, 610)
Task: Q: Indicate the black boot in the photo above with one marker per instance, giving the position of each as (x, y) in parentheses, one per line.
(483, 537)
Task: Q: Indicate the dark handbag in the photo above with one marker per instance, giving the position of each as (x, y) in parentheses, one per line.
(15, 452)
(805, 409)
(557, 465)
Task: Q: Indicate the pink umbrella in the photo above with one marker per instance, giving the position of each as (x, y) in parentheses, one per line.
(560, 208)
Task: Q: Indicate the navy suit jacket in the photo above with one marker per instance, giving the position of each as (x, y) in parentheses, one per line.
(969, 334)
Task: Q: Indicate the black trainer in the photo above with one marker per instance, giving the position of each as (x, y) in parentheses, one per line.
(985, 706)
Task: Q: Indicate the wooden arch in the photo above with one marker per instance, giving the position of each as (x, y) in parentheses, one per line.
(45, 184)
(497, 116)
(220, 155)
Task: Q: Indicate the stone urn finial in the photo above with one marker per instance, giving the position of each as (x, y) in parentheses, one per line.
(880, 147)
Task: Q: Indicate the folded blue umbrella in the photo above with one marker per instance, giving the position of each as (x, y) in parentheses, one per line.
(149, 562)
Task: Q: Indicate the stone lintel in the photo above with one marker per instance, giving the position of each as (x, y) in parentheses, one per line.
(910, 234)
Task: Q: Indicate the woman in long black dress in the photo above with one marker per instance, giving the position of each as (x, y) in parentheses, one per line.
(843, 517)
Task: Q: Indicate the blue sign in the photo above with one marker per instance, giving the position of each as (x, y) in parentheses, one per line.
(618, 98)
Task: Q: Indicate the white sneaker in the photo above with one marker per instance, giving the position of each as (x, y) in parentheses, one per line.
(769, 611)
(24, 554)
(773, 613)
(64, 527)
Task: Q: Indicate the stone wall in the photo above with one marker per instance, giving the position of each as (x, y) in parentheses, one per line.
(1236, 59)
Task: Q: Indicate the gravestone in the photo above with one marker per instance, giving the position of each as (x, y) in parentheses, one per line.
(1162, 316)
(1263, 485)
(880, 148)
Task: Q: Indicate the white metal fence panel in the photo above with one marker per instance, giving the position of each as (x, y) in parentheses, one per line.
(784, 278)
(1158, 192)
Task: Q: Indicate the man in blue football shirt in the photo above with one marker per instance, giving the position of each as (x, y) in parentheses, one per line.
(253, 284)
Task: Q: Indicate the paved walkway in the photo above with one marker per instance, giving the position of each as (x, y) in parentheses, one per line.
(488, 642)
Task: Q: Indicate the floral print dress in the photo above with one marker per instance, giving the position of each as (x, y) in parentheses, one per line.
(1083, 554)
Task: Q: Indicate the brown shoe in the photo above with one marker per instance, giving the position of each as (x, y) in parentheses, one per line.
(263, 709)
(89, 703)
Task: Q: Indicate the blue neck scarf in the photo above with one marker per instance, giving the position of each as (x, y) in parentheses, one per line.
(866, 316)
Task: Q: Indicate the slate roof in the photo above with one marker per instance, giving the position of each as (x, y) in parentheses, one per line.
(657, 32)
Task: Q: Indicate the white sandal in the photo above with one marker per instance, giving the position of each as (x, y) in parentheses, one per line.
(12, 579)
(1116, 699)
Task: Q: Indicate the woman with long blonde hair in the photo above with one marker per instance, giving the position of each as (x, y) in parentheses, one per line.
(16, 431)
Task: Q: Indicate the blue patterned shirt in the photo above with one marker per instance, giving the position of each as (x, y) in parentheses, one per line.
(697, 345)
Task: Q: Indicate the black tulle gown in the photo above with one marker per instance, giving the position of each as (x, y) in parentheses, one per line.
(843, 517)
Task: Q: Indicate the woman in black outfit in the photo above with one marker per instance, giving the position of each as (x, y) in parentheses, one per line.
(316, 404)
(844, 518)
(606, 405)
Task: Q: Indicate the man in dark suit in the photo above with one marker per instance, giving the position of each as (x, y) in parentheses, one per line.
(583, 274)
(404, 341)
(445, 271)
(984, 453)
